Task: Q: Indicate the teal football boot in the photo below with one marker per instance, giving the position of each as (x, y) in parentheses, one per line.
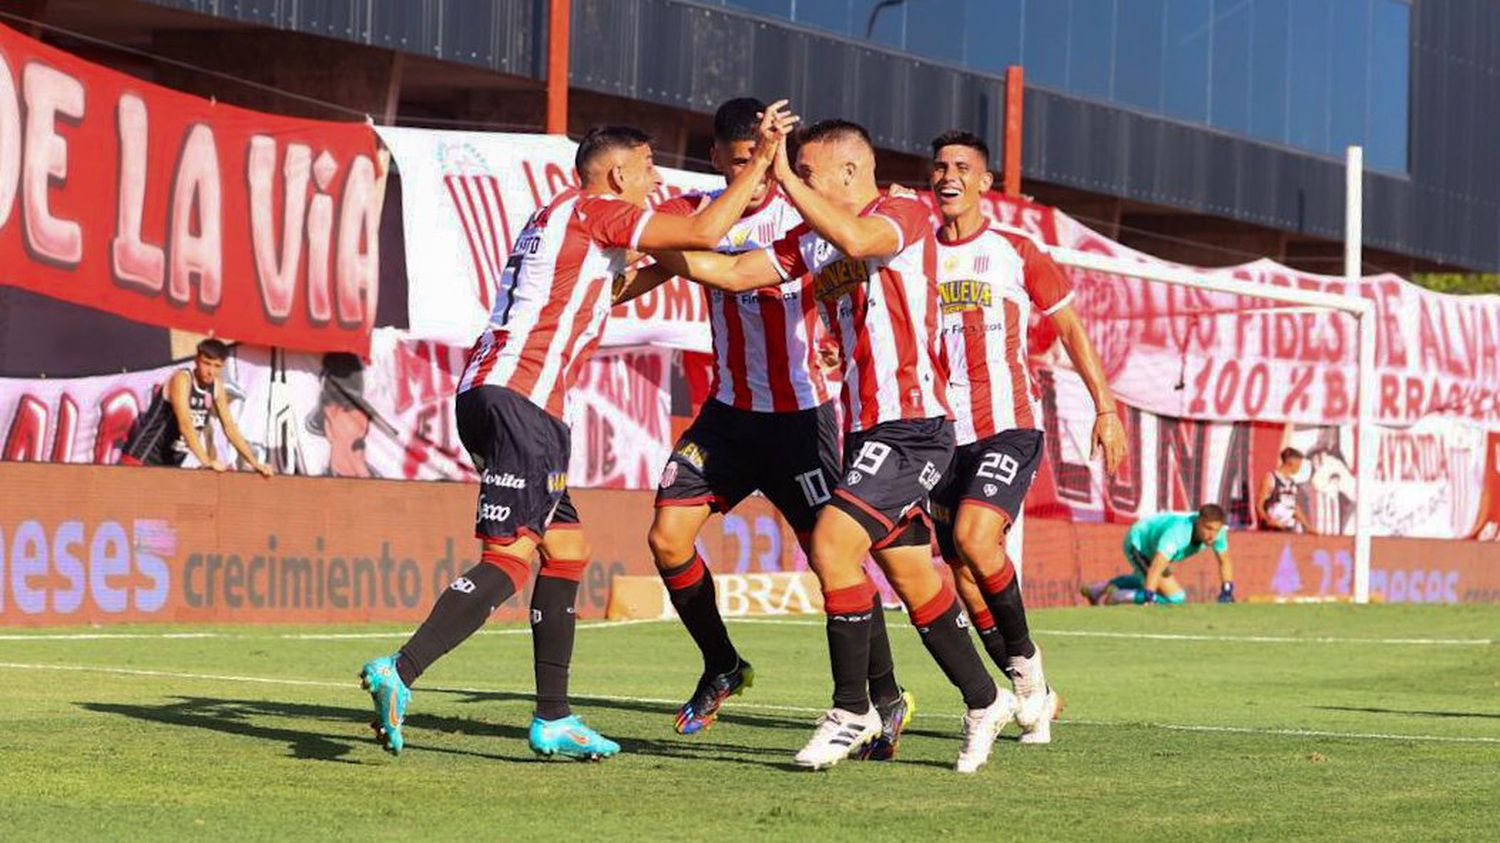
(390, 696)
(570, 738)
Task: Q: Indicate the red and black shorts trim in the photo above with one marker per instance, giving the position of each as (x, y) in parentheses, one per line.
(889, 471)
(521, 453)
(995, 472)
(728, 453)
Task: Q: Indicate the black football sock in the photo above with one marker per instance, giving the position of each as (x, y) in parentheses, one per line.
(947, 639)
(990, 638)
(553, 620)
(849, 622)
(1002, 594)
(883, 686)
(691, 589)
(460, 611)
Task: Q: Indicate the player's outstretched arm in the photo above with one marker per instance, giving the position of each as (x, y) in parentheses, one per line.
(853, 235)
(232, 432)
(708, 226)
(1226, 576)
(177, 391)
(731, 273)
(1109, 434)
(1266, 523)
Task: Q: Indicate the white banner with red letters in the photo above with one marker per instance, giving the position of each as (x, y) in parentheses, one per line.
(465, 198)
(1195, 354)
(336, 415)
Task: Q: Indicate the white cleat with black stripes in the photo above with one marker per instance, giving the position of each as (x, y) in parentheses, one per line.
(837, 735)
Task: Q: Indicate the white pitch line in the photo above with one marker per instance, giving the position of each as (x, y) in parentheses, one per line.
(1174, 636)
(290, 636)
(1174, 727)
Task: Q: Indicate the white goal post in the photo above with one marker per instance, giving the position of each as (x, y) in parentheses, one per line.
(1360, 308)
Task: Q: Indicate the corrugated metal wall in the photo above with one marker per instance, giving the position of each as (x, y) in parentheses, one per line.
(678, 53)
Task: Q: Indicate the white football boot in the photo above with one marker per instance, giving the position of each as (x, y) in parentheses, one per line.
(981, 727)
(1037, 703)
(838, 734)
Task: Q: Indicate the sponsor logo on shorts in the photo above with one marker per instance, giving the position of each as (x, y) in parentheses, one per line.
(493, 512)
(853, 478)
(536, 616)
(693, 454)
(990, 489)
(669, 475)
(557, 482)
(503, 481)
(929, 476)
(963, 620)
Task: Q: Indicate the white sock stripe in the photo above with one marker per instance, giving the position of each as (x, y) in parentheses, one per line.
(350, 685)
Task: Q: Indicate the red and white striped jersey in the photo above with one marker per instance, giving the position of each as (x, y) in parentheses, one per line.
(882, 313)
(987, 284)
(554, 297)
(765, 341)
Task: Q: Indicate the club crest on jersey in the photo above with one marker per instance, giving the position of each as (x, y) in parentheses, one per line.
(835, 280)
(958, 296)
(693, 454)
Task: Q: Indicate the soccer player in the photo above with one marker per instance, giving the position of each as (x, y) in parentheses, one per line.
(988, 282)
(1157, 542)
(768, 424)
(868, 259)
(511, 402)
(1277, 503)
(176, 422)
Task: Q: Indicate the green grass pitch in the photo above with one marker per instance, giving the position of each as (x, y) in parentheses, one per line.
(1200, 722)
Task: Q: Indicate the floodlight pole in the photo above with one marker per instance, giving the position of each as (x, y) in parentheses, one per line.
(1364, 471)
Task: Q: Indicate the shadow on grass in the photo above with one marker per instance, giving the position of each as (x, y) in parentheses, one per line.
(245, 718)
(1412, 712)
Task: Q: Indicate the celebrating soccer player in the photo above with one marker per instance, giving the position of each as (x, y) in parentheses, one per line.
(868, 259)
(1156, 543)
(988, 281)
(769, 424)
(510, 408)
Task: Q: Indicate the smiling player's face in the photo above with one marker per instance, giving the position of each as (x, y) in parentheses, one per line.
(960, 176)
(635, 175)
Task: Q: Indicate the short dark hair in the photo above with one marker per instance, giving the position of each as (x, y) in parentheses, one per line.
(213, 349)
(1291, 454)
(1212, 512)
(958, 137)
(602, 139)
(832, 130)
(738, 119)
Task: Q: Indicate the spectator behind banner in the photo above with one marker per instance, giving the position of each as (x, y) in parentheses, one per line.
(1276, 505)
(176, 423)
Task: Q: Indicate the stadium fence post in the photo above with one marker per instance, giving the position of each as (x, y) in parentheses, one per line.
(1364, 473)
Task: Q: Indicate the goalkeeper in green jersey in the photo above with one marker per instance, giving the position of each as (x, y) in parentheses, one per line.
(1156, 543)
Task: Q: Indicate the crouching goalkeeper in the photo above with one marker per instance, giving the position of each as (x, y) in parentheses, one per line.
(1157, 542)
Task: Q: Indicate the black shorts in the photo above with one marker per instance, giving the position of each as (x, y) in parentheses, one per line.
(727, 453)
(889, 470)
(521, 454)
(994, 472)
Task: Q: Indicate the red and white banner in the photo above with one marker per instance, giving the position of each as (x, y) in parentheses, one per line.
(1429, 478)
(466, 196)
(174, 210)
(337, 415)
(1190, 353)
